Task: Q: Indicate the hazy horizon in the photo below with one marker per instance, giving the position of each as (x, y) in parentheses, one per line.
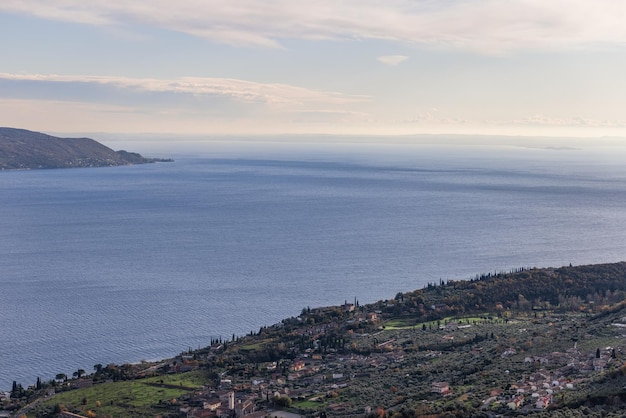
(387, 145)
(481, 67)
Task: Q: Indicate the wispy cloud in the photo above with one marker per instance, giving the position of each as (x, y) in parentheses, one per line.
(485, 26)
(431, 118)
(272, 94)
(186, 104)
(392, 59)
(543, 120)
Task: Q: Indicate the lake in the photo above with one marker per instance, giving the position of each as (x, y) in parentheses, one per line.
(129, 263)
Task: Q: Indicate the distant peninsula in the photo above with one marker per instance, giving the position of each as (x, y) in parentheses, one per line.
(21, 149)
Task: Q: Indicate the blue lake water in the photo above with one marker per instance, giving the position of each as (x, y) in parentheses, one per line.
(129, 263)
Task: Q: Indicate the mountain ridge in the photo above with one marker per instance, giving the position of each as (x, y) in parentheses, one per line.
(24, 149)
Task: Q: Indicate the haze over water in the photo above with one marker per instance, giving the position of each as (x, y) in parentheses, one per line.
(129, 263)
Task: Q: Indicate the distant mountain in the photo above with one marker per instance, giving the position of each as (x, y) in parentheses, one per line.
(23, 149)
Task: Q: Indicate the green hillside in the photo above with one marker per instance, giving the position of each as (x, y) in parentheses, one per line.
(534, 342)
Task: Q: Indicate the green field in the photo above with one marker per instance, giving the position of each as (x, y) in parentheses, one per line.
(409, 323)
(136, 398)
(258, 345)
(307, 405)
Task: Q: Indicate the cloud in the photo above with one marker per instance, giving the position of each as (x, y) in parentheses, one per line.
(484, 26)
(186, 104)
(271, 94)
(428, 118)
(392, 59)
(543, 120)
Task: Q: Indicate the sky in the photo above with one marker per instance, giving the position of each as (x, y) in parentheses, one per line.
(356, 67)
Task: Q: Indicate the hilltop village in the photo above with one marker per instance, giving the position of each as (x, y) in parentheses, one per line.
(533, 342)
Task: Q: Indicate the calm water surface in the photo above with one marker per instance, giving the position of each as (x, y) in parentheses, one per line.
(131, 263)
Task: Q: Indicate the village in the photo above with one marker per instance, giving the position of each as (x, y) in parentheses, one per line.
(312, 377)
(373, 361)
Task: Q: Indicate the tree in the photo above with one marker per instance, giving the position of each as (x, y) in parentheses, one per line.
(17, 390)
(78, 373)
(282, 401)
(61, 377)
(598, 353)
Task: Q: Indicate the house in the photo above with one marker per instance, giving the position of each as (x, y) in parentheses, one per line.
(440, 387)
(212, 404)
(269, 365)
(186, 366)
(451, 326)
(244, 407)
(202, 413)
(509, 352)
(540, 376)
(516, 402)
(495, 392)
(599, 364)
(543, 402)
(227, 397)
(297, 365)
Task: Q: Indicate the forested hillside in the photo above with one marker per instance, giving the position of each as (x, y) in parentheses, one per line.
(563, 289)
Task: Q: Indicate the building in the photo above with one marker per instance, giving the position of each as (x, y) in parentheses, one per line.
(440, 387)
